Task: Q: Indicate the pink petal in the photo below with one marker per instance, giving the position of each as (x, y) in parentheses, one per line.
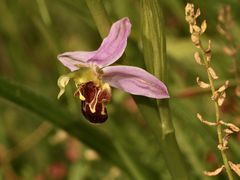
(135, 81)
(114, 44)
(110, 50)
(72, 60)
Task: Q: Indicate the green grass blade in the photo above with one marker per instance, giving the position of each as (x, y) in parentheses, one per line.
(60, 117)
(154, 49)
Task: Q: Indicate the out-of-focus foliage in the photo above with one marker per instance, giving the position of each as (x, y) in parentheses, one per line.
(32, 33)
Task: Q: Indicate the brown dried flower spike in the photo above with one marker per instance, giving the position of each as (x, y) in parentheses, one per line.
(218, 95)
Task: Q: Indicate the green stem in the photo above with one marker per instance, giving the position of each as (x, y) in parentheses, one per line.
(44, 12)
(170, 148)
(100, 16)
(154, 48)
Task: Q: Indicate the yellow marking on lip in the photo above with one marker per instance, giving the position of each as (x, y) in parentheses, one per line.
(103, 108)
(81, 97)
(93, 103)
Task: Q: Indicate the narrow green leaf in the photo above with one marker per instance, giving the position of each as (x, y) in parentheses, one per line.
(100, 16)
(153, 39)
(154, 49)
(85, 132)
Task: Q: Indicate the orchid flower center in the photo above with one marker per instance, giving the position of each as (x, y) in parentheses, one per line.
(94, 99)
(91, 90)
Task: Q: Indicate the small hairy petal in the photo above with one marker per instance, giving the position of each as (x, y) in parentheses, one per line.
(205, 121)
(235, 167)
(73, 60)
(196, 28)
(228, 131)
(212, 73)
(221, 147)
(203, 26)
(223, 87)
(114, 44)
(135, 80)
(202, 84)
(198, 58)
(231, 126)
(215, 172)
(221, 98)
(198, 13)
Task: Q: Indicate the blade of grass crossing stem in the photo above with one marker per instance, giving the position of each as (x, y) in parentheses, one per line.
(62, 118)
(154, 49)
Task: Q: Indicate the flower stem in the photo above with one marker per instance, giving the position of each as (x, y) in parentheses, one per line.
(154, 49)
(217, 114)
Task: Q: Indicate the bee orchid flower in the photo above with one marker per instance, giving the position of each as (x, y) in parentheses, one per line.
(93, 76)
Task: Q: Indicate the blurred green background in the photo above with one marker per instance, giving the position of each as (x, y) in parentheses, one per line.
(34, 32)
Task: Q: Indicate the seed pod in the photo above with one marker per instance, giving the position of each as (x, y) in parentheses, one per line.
(235, 167)
(198, 58)
(228, 131)
(212, 73)
(205, 121)
(208, 51)
(202, 84)
(231, 126)
(203, 26)
(215, 172)
(221, 98)
(223, 87)
(198, 13)
(197, 29)
(195, 39)
(221, 147)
